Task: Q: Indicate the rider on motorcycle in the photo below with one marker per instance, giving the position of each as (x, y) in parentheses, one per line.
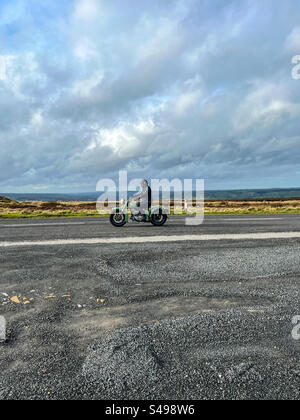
(139, 209)
(143, 197)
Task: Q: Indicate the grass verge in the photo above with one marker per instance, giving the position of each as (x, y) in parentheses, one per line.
(91, 215)
(49, 215)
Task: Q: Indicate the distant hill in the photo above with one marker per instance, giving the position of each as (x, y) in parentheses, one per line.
(6, 200)
(209, 195)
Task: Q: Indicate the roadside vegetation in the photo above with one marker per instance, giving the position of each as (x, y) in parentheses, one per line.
(10, 209)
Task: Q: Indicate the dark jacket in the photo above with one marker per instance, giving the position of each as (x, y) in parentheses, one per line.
(145, 197)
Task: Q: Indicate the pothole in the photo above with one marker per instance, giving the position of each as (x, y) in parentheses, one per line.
(89, 323)
(123, 359)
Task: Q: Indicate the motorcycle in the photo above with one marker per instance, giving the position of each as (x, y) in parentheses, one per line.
(129, 210)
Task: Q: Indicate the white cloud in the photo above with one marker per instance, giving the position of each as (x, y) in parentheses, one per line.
(87, 10)
(292, 44)
(2, 68)
(37, 119)
(85, 49)
(6, 62)
(265, 105)
(19, 70)
(187, 102)
(159, 87)
(125, 140)
(84, 87)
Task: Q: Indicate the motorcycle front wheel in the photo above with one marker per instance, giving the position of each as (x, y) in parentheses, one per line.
(158, 219)
(117, 219)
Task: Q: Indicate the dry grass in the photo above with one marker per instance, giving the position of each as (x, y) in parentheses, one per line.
(46, 209)
(269, 206)
(14, 209)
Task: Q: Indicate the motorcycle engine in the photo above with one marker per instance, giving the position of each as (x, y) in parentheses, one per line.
(139, 217)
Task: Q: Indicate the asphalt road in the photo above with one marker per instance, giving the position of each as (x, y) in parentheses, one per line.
(190, 319)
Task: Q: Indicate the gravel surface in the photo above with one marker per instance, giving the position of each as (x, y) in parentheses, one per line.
(186, 321)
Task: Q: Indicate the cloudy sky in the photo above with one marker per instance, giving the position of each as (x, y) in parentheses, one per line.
(162, 88)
